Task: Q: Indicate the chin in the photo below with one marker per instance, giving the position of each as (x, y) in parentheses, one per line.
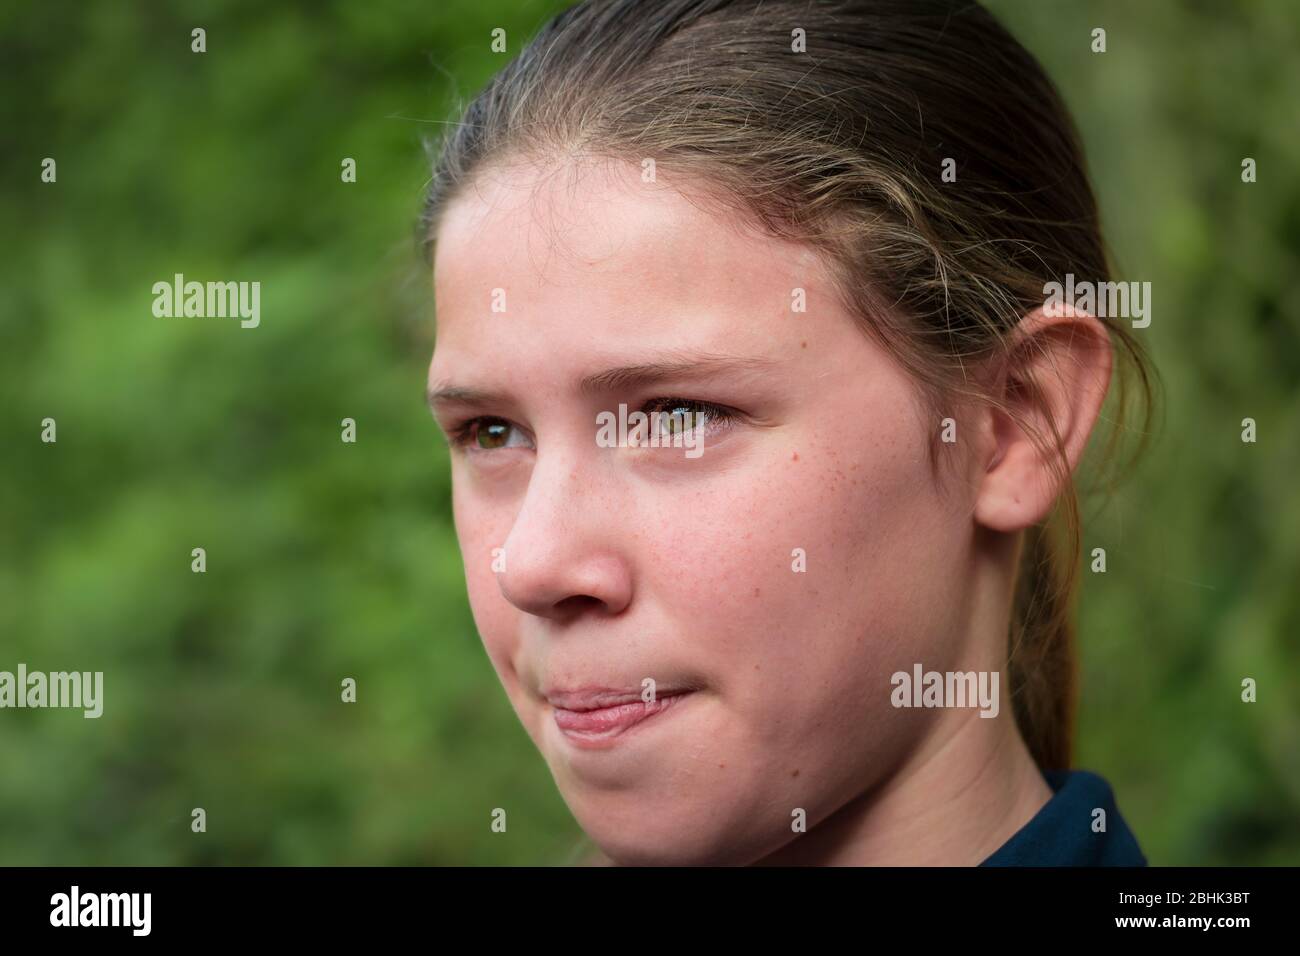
(696, 838)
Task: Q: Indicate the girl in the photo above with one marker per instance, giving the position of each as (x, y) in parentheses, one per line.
(815, 238)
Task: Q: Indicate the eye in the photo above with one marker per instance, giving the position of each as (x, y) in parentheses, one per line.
(680, 415)
(489, 434)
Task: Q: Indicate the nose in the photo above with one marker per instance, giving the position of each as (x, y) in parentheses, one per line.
(565, 555)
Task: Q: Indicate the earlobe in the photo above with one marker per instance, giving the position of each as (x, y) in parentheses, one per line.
(1048, 398)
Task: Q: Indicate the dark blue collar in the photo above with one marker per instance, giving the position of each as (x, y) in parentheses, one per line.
(1063, 832)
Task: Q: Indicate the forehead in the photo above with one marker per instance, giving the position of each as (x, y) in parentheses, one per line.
(595, 246)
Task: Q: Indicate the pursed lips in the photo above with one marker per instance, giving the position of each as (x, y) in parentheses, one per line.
(594, 716)
(597, 698)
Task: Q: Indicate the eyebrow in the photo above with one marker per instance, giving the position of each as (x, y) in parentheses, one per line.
(623, 377)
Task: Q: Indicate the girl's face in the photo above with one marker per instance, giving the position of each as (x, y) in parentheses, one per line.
(768, 582)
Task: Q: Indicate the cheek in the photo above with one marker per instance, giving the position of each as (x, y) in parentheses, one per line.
(804, 579)
(480, 530)
(817, 535)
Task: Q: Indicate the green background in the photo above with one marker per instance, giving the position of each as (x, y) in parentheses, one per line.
(329, 560)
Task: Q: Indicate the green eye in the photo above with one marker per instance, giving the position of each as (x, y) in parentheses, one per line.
(683, 418)
(679, 416)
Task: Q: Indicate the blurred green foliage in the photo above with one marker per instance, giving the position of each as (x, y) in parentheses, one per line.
(329, 560)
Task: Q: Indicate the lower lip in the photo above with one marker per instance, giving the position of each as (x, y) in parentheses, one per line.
(600, 728)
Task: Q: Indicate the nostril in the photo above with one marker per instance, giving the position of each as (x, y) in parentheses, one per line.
(578, 603)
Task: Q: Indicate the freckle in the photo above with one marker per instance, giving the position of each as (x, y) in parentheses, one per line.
(721, 765)
(803, 345)
(795, 774)
(755, 667)
(755, 592)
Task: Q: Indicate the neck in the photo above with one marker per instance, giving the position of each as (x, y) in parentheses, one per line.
(958, 798)
(965, 788)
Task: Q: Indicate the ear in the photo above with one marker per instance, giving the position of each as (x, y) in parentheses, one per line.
(1052, 381)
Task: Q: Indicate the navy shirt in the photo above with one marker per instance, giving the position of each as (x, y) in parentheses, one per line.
(1061, 833)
